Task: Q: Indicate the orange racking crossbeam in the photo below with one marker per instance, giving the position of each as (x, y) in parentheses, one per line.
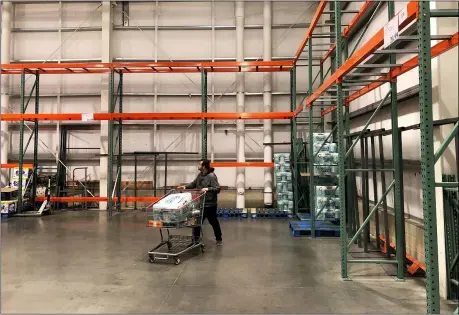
(14, 165)
(98, 199)
(312, 26)
(436, 50)
(366, 50)
(367, 5)
(148, 67)
(242, 164)
(150, 116)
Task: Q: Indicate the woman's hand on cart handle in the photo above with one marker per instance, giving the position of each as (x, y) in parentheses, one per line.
(205, 189)
(181, 187)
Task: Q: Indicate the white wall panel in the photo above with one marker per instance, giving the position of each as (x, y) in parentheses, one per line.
(75, 13)
(253, 43)
(223, 104)
(81, 83)
(184, 13)
(47, 136)
(224, 82)
(36, 15)
(224, 13)
(225, 44)
(133, 44)
(286, 41)
(253, 12)
(35, 46)
(287, 12)
(81, 45)
(80, 104)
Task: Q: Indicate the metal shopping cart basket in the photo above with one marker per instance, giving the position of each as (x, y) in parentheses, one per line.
(175, 210)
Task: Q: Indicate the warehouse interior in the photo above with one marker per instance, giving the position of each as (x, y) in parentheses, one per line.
(332, 127)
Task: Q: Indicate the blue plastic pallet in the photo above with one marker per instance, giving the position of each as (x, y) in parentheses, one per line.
(230, 213)
(265, 213)
(323, 229)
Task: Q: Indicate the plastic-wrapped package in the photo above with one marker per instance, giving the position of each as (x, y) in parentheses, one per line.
(325, 191)
(333, 148)
(334, 158)
(327, 214)
(320, 137)
(173, 201)
(323, 168)
(324, 148)
(326, 158)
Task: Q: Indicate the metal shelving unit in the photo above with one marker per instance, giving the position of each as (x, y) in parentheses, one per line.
(352, 72)
(115, 115)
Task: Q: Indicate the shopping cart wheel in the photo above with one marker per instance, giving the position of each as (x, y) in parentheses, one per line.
(176, 260)
(152, 258)
(203, 248)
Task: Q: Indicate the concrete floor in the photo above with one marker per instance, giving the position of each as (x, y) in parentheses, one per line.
(83, 262)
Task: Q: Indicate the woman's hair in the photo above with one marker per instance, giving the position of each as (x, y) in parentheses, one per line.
(206, 164)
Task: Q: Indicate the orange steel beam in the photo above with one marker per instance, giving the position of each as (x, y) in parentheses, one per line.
(242, 164)
(13, 165)
(436, 50)
(416, 264)
(312, 26)
(348, 28)
(98, 199)
(366, 50)
(150, 116)
(148, 67)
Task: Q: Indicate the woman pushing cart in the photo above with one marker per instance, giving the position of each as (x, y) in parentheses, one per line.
(187, 208)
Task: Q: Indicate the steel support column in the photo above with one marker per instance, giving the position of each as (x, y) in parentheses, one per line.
(204, 110)
(387, 247)
(312, 190)
(110, 144)
(398, 173)
(120, 141)
(428, 160)
(293, 136)
(347, 126)
(341, 146)
(35, 143)
(21, 144)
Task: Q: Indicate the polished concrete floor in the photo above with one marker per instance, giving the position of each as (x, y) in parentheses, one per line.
(84, 262)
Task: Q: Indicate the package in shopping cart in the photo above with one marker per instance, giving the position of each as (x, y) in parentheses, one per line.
(176, 210)
(173, 201)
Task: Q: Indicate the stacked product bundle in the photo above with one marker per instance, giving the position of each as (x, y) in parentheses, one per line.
(326, 160)
(325, 163)
(284, 186)
(327, 200)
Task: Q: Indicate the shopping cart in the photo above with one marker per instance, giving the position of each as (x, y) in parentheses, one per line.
(177, 209)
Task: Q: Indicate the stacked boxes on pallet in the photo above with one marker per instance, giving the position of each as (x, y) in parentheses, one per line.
(284, 186)
(325, 164)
